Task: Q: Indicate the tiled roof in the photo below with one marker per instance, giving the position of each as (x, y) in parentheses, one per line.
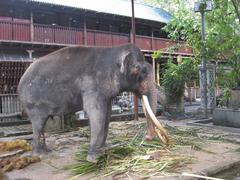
(117, 7)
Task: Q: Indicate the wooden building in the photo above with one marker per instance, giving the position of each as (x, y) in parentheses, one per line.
(32, 28)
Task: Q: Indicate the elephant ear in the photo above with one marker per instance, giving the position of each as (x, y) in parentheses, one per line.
(129, 65)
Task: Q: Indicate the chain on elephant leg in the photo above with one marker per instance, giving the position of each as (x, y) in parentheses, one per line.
(39, 145)
(43, 142)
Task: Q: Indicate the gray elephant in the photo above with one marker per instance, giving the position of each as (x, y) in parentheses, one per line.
(76, 78)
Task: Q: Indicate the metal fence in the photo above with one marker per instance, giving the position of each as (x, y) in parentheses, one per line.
(9, 104)
(10, 109)
(124, 95)
(10, 74)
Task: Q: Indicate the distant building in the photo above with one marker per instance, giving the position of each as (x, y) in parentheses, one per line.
(32, 28)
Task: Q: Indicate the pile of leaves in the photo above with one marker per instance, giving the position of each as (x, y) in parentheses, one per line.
(139, 157)
(10, 163)
(14, 145)
(10, 159)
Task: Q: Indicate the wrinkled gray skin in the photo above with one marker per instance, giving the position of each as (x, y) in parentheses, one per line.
(76, 78)
(161, 97)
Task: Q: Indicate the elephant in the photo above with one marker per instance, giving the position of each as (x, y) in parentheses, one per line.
(84, 78)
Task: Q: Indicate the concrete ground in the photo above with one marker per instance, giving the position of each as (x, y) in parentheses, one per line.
(222, 152)
(217, 155)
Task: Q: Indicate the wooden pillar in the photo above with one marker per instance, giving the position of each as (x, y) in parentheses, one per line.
(195, 89)
(133, 24)
(179, 59)
(191, 99)
(189, 92)
(158, 74)
(30, 52)
(31, 26)
(133, 40)
(180, 105)
(12, 25)
(152, 41)
(153, 64)
(84, 30)
(217, 85)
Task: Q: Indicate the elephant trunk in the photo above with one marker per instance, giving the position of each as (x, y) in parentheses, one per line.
(150, 106)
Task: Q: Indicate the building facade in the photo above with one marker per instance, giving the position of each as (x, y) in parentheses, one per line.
(30, 29)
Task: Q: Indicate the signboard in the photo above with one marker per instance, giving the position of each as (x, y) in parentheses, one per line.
(203, 6)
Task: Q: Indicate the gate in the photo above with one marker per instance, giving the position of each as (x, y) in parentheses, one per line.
(10, 106)
(10, 109)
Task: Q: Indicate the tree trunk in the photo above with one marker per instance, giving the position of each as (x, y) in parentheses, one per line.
(236, 5)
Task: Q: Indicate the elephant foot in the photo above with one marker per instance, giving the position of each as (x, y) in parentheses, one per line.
(149, 136)
(93, 155)
(93, 158)
(40, 149)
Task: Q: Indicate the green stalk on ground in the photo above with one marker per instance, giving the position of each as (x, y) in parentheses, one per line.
(131, 154)
(136, 156)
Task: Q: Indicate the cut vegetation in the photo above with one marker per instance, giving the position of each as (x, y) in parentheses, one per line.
(128, 152)
(10, 155)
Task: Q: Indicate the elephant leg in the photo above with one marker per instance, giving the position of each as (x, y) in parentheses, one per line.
(150, 130)
(97, 110)
(108, 117)
(38, 144)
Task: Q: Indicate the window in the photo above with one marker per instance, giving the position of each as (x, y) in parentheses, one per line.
(5, 11)
(71, 20)
(143, 30)
(21, 13)
(45, 18)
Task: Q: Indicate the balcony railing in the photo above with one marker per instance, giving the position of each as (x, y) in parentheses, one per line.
(21, 31)
(14, 31)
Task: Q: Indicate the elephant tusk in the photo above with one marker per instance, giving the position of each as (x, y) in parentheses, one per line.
(144, 110)
(159, 129)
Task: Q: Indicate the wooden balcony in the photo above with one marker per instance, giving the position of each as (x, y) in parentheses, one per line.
(19, 30)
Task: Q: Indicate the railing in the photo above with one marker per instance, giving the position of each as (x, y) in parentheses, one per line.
(123, 95)
(9, 104)
(21, 31)
(102, 38)
(14, 31)
(57, 34)
(10, 109)
(153, 43)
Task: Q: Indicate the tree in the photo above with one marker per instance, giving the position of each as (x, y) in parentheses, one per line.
(169, 5)
(222, 40)
(236, 4)
(175, 77)
(223, 36)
